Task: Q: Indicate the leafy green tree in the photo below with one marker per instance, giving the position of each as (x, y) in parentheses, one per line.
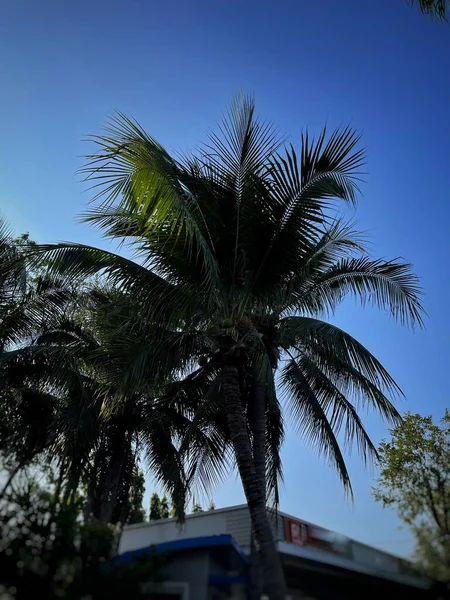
(136, 512)
(196, 508)
(241, 257)
(155, 507)
(415, 480)
(164, 508)
(48, 551)
(212, 506)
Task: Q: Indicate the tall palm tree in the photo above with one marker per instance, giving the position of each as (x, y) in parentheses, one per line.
(240, 256)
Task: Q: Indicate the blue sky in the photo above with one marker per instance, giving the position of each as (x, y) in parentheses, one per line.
(174, 66)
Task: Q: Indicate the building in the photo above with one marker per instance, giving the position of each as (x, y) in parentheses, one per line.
(209, 559)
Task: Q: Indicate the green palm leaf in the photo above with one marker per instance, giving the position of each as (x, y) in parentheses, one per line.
(301, 195)
(134, 168)
(388, 285)
(332, 343)
(310, 419)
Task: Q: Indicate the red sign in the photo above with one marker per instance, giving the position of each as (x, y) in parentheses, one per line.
(295, 532)
(302, 534)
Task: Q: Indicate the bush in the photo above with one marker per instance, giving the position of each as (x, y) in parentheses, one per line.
(47, 550)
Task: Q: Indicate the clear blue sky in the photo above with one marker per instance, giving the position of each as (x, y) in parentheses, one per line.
(381, 66)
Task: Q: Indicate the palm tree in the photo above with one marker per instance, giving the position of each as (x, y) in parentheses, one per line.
(60, 405)
(27, 301)
(240, 255)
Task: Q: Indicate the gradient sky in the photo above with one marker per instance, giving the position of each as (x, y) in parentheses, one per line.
(174, 66)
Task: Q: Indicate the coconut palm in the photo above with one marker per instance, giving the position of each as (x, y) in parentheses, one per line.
(61, 406)
(239, 257)
(27, 301)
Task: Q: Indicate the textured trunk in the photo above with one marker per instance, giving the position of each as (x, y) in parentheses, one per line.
(256, 583)
(96, 485)
(73, 483)
(255, 493)
(258, 428)
(259, 432)
(118, 479)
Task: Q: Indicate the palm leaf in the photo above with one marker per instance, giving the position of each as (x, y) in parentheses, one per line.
(302, 193)
(134, 170)
(389, 285)
(434, 8)
(162, 298)
(310, 419)
(274, 442)
(333, 344)
(341, 413)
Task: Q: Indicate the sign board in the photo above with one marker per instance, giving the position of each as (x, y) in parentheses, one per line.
(303, 534)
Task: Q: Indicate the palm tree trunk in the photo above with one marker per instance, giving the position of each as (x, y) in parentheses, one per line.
(255, 493)
(259, 431)
(258, 428)
(118, 476)
(256, 584)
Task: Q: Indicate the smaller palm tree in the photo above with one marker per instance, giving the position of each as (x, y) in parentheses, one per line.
(60, 404)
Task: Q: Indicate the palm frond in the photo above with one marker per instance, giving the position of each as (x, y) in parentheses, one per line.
(352, 383)
(205, 441)
(340, 239)
(332, 344)
(310, 419)
(27, 315)
(133, 170)
(164, 458)
(434, 8)
(274, 442)
(302, 193)
(340, 411)
(77, 262)
(388, 285)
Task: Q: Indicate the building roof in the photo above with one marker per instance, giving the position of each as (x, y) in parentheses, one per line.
(204, 542)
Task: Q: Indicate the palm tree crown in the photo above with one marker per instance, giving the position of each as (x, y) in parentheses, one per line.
(240, 256)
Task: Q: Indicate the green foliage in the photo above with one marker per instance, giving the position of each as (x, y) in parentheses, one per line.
(136, 495)
(48, 551)
(155, 507)
(415, 480)
(164, 508)
(240, 258)
(211, 505)
(196, 508)
(55, 400)
(159, 508)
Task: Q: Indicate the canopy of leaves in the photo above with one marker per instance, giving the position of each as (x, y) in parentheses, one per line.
(239, 257)
(415, 480)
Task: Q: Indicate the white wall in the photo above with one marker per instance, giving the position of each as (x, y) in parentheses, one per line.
(234, 521)
(167, 530)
